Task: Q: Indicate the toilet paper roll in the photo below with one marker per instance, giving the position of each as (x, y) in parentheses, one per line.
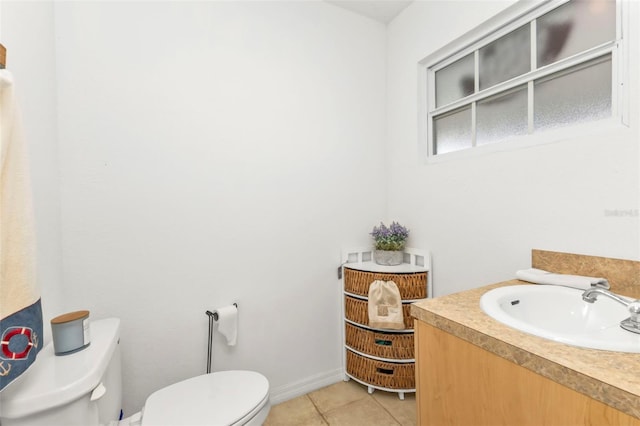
(228, 323)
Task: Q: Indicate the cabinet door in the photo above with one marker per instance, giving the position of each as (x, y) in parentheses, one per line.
(459, 383)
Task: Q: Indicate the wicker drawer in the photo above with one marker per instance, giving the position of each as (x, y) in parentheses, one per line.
(411, 286)
(379, 373)
(381, 345)
(357, 310)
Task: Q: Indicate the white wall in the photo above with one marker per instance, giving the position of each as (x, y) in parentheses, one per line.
(481, 216)
(218, 152)
(221, 152)
(26, 30)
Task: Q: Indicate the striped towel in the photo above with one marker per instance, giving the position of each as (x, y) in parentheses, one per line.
(20, 309)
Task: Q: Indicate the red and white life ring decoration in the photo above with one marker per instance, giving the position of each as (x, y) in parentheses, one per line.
(11, 333)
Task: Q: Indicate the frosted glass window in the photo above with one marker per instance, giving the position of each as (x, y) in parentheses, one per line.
(577, 95)
(507, 57)
(544, 65)
(452, 131)
(502, 116)
(455, 81)
(573, 28)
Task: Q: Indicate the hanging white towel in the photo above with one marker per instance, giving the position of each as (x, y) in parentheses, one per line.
(20, 310)
(539, 276)
(385, 306)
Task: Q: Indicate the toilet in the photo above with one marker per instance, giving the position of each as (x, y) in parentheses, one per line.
(85, 389)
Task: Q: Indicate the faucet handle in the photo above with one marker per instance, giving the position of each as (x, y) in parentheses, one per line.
(632, 323)
(634, 310)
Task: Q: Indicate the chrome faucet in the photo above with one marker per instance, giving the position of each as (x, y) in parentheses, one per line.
(632, 323)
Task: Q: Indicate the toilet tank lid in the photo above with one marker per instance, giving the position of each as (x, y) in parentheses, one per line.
(53, 380)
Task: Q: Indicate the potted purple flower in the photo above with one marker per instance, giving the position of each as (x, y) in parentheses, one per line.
(389, 243)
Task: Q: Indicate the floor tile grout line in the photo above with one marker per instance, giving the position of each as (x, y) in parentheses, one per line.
(340, 408)
(377, 395)
(369, 396)
(317, 409)
(385, 409)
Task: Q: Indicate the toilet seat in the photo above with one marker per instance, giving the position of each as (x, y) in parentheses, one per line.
(221, 398)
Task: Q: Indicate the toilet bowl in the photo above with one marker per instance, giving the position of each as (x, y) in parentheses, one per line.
(228, 397)
(85, 389)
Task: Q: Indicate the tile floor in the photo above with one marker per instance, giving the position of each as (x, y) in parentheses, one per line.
(345, 404)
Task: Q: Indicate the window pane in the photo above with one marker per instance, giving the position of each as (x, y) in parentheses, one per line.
(455, 81)
(452, 131)
(507, 57)
(574, 27)
(502, 116)
(580, 94)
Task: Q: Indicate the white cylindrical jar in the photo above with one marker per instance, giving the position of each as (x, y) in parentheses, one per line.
(70, 332)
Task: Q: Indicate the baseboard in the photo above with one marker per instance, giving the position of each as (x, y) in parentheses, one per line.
(310, 384)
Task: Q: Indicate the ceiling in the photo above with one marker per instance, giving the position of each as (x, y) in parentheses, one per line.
(380, 10)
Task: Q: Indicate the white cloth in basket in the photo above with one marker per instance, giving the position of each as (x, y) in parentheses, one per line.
(385, 306)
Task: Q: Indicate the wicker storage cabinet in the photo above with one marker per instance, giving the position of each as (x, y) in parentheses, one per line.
(381, 359)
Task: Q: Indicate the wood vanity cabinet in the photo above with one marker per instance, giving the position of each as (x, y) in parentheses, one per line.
(459, 383)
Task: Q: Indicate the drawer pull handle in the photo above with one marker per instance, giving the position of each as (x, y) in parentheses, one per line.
(382, 342)
(384, 370)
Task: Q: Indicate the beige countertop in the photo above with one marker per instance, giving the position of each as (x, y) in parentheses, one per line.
(610, 377)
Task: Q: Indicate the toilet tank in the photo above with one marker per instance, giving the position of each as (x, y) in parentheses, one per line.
(83, 388)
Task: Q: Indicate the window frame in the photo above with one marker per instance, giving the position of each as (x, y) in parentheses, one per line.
(508, 20)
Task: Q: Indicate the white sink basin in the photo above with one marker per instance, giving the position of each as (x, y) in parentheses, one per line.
(559, 314)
